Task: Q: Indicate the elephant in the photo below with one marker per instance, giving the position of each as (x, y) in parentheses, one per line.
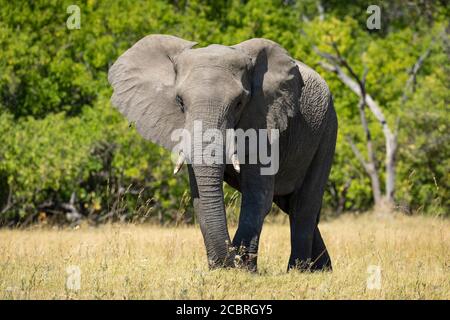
(164, 83)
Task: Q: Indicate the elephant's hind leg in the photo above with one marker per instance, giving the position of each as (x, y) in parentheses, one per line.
(308, 251)
(320, 258)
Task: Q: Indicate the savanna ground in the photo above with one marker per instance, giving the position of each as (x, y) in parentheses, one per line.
(150, 262)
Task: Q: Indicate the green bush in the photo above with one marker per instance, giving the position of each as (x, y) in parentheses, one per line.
(95, 156)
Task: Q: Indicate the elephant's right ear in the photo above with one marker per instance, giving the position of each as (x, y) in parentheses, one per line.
(276, 85)
(143, 80)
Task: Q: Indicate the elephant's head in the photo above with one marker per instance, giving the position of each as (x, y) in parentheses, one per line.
(163, 83)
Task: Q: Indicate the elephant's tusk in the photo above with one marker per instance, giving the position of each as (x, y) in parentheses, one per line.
(235, 162)
(180, 162)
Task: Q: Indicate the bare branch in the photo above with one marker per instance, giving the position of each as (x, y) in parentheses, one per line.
(364, 76)
(9, 202)
(412, 80)
(370, 168)
(354, 83)
(357, 153)
(327, 66)
(72, 213)
(333, 65)
(343, 196)
(321, 10)
(337, 64)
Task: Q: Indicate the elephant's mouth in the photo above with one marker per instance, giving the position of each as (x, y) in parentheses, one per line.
(182, 159)
(225, 149)
(207, 138)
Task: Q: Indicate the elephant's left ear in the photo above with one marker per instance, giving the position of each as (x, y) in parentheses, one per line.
(276, 85)
(143, 79)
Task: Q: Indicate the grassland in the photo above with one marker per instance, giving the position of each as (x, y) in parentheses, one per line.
(151, 262)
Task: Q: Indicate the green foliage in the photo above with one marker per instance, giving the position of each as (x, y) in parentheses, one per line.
(95, 156)
(425, 156)
(62, 143)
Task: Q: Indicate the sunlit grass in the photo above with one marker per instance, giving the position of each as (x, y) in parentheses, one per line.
(150, 262)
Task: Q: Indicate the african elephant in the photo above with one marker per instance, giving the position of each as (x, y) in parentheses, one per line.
(163, 83)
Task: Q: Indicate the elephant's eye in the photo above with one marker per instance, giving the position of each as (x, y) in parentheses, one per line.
(180, 103)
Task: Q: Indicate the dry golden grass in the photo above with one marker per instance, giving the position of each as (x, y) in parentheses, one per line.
(149, 262)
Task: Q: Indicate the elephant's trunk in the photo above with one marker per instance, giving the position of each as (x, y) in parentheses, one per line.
(209, 178)
(212, 214)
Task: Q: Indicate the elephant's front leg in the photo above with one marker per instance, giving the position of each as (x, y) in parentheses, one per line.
(257, 195)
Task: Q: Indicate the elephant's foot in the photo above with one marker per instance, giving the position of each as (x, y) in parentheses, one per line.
(320, 265)
(246, 260)
(227, 261)
(299, 265)
(239, 258)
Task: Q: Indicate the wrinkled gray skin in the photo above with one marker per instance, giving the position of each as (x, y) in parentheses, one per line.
(254, 84)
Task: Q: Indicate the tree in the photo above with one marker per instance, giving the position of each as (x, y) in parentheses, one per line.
(357, 84)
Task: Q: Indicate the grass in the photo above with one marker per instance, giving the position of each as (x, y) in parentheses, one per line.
(150, 262)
